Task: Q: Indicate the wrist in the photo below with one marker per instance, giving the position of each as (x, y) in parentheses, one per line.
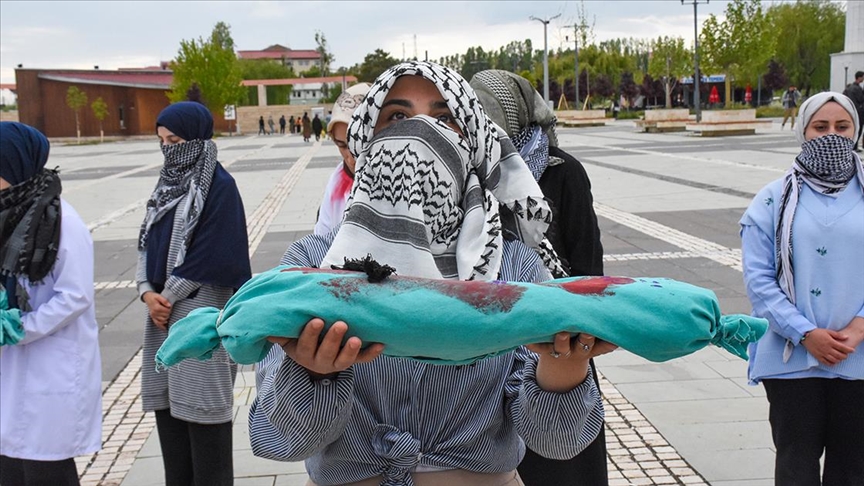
(804, 337)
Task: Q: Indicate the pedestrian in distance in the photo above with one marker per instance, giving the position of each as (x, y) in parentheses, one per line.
(192, 252)
(339, 185)
(261, 130)
(307, 127)
(317, 127)
(790, 101)
(359, 418)
(811, 360)
(855, 92)
(271, 124)
(514, 105)
(282, 125)
(50, 369)
(291, 125)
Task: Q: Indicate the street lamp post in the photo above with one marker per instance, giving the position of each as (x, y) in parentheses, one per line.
(576, 54)
(696, 74)
(545, 55)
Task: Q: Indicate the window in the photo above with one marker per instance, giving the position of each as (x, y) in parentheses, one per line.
(122, 118)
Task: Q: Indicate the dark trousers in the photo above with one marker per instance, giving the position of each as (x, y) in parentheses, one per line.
(586, 469)
(195, 454)
(815, 415)
(24, 472)
(860, 140)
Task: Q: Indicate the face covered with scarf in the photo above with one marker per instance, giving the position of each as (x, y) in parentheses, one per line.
(432, 170)
(29, 204)
(185, 131)
(827, 129)
(512, 103)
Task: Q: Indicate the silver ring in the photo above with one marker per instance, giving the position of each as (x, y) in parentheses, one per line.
(556, 354)
(585, 347)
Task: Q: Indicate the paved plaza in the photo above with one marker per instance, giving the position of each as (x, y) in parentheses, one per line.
(668, 206)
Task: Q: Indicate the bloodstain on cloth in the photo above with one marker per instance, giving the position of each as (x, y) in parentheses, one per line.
(486, 297)
(598, 286)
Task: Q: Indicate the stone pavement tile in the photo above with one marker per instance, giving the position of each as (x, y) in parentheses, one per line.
(259, 481)
(272, 247)
(617, 238)
(736, 369)
(721, 411)
(735, 466)
(147, 471)
(741, 482)
(717, 225)
(671, 391)
(656, 372)
(291, 480)
(247, 465)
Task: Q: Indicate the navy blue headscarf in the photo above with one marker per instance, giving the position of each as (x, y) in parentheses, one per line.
(216, 248)
(24, 150)
(30, 210)
(188, 120)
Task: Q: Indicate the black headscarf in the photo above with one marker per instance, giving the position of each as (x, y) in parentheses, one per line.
(30, 209)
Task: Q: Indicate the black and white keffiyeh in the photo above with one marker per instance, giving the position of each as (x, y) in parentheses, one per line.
(425, 197)
(30, 216)
(827, 164)
(188, 168)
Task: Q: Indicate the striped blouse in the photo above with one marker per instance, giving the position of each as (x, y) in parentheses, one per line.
(393, 416)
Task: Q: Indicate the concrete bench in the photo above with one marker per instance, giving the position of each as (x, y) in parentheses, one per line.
(722, 123)
(656, 121)
(581, 118)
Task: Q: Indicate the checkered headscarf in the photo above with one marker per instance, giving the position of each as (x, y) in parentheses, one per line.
(494, 174)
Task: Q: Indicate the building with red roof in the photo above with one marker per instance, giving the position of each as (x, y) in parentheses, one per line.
(301, 60)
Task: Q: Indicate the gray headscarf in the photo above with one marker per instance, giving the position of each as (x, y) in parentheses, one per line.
(512, 103)
(812, 105)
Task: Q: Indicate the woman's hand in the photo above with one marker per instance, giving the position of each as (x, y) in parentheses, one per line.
(327, 356)
(159, 307)
(563, 364)
(854, 331)
(827, 346)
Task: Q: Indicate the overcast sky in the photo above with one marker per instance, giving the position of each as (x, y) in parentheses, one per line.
(75, 34)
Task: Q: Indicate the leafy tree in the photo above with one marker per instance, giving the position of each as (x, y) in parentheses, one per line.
(254, 69)
(808, 31)
(76, 99)
(213, 66)
(373, 65)
(100, 111)
(669, 62)
(323, 51)
(776, 77)
(628, 88)
(741, 45)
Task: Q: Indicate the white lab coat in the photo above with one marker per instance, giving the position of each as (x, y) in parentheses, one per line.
(51, 381)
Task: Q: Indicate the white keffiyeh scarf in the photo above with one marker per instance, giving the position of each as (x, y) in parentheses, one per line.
(425, 199)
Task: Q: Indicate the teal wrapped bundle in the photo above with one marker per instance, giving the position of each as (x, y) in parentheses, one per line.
(11, 330)
(458, 322)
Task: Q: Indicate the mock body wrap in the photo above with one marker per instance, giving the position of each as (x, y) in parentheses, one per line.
(458, 322)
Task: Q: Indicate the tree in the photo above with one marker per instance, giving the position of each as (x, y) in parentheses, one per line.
(776, 77)
(373, 65)
(809, 31)
(628, 88)
(669, 61)
(740, 46)
(76, 99)
(255, 69)
(323, 51)
(100, 111)
(213, 66)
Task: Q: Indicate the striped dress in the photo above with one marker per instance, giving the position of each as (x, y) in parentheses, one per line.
(477, 417)
(195, 391)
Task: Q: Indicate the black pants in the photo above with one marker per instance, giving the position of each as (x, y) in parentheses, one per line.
(24, 472)
(586, 469)
(195, 454)
(812, 415)
(860, 140)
